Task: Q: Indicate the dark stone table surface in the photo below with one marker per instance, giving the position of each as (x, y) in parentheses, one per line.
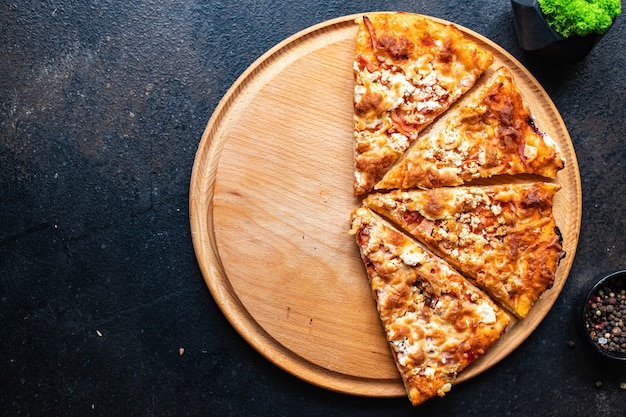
(103, 104)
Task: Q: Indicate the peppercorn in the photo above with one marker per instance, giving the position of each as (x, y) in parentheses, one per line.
(605, 316)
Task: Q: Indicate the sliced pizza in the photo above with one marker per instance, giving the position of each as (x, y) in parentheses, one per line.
(435, 320)
(408, 69)
(491, 133)
(503, 236)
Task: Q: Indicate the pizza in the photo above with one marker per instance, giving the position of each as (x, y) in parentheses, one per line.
(490, 133)
(503, 236)
(435, 320)
(408, 69)
(451, 261)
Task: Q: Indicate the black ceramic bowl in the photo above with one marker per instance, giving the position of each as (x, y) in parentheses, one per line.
(604, 316)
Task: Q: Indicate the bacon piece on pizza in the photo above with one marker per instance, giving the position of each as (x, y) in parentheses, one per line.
(436, 321)
(504, 237)
(490, 133)
(408, 70)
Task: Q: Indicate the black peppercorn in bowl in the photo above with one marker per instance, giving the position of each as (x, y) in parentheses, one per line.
(604, 316)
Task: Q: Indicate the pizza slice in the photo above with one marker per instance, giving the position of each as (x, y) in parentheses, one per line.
(435, 320)
(490, 133)
(408, 69)
(502, 236)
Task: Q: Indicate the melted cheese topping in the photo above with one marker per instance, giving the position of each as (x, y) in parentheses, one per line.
(435, 320)
(502, 236)
(491, 134)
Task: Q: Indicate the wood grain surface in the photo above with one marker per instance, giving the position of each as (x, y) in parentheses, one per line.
(270, 198)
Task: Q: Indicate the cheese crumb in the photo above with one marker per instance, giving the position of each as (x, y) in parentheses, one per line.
(486, 313)
(412, 258)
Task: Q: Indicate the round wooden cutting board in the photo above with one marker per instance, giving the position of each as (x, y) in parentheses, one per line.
(270, 197)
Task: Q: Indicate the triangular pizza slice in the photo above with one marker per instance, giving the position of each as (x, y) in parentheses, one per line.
(502, 236)
(490, 133)
(408, 69)
(435, 320)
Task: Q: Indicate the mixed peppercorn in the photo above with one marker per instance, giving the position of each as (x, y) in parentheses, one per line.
(605, 318)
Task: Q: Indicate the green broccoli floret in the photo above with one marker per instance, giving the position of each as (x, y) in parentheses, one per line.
(580, 17)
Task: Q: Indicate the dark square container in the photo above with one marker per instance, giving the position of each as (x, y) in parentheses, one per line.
(534, 35)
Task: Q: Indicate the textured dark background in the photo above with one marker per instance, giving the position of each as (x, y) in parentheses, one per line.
(103, 104)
